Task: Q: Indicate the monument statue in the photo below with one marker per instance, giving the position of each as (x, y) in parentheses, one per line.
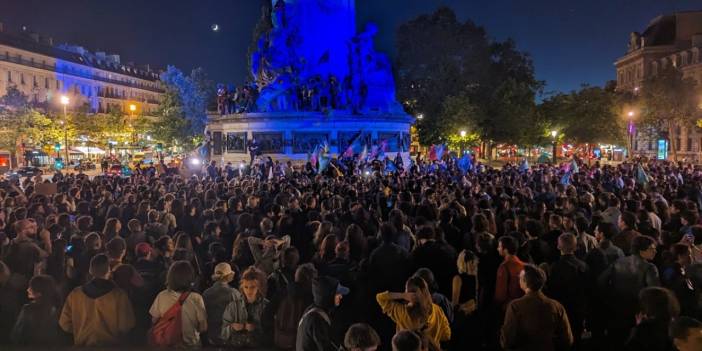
(314, 80)
(312, 59)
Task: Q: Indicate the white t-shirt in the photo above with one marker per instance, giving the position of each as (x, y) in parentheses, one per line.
(193, 313)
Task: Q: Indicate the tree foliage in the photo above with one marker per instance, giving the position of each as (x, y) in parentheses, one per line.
(589, 115)
(453, 74)
(187, 98)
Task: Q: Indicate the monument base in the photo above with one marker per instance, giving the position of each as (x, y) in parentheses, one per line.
(294, 135)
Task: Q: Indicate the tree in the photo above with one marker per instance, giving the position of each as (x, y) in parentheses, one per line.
(182, 115)
(21, 124)
(590, 115)
(668, 101)
(456, 77)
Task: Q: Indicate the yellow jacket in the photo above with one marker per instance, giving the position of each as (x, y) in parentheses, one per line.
(435, 329)
(102, 319)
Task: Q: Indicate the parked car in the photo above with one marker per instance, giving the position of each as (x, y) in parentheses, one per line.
(27, 171)
(84, 166)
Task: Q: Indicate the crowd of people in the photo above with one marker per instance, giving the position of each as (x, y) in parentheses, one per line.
(428, 257)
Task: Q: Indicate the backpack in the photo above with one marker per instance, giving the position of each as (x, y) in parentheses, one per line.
(286, 321)
(168, 330)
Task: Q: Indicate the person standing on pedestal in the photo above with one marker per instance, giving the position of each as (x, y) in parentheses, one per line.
(253, 150)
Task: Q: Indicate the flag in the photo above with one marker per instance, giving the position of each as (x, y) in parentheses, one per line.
(640, 174)
(565, 180)
(314, 156)
(383, 148)
(364, 154)
(524, 166)
(355, 146)
(323, 157)
(390, 166)
(465, 164)
(432, 153)
(440, 149)
(406, 161)
(574, 166)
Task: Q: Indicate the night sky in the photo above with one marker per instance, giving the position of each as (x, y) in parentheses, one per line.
(572, 42)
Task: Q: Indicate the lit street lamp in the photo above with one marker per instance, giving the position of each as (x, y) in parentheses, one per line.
(630, 130)
(420, 116)
(554, 134)
(132, 109)
(463, 134)
(65, 101)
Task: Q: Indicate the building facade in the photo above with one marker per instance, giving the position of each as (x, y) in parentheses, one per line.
(96, 82)
(669, 40)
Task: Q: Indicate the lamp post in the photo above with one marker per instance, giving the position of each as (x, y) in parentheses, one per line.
(132, 109)
(554, 134)
(630, 130)
(65, 101)
(463, 134)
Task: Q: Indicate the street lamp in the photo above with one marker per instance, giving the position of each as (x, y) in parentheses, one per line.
(132, 109)
(463, 133)
(420, 116)
(554, 134)
(630, 130)
(65, 101)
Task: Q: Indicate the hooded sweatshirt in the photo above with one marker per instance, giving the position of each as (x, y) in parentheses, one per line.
(97, 314)
(314, 331)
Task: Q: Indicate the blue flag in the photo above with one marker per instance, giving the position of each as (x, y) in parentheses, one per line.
(574, 167)
(524, 166)
(390, 166)
(465, 164)
(565, 180)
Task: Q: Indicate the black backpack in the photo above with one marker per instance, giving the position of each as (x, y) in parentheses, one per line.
(286, 321)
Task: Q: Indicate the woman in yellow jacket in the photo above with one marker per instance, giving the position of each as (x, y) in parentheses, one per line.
(418, 314)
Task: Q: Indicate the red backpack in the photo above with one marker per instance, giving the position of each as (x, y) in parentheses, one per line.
(168, 330)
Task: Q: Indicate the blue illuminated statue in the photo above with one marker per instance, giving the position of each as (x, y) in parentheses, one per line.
(313, 59)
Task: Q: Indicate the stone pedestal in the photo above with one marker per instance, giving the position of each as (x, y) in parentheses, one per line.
(294, 135)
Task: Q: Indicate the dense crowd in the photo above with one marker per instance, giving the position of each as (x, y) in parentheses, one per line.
(429, 257)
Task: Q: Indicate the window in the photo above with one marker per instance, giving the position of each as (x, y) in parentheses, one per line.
(46, 83)
(9, 76)
(58, 85)
(677, 144)
(22, 78)
(34, 82)
(636, 145)
(650, 146)
(689, 144)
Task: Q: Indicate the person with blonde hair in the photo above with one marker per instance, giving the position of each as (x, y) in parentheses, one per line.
(242, 319)
(419, 314)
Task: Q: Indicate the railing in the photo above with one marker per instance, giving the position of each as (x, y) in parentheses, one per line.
(51, 68)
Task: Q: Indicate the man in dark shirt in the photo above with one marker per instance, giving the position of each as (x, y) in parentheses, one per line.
(24, 253)
(568, 282)
(438, 256)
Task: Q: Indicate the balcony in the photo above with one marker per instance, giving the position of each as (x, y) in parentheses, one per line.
(28, 63)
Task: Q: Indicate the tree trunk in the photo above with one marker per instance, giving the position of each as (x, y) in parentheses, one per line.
(673, 145)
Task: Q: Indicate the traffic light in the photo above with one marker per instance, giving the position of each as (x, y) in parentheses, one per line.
(57, 146)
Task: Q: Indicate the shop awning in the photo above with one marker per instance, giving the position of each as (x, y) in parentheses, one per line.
(89, 150)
